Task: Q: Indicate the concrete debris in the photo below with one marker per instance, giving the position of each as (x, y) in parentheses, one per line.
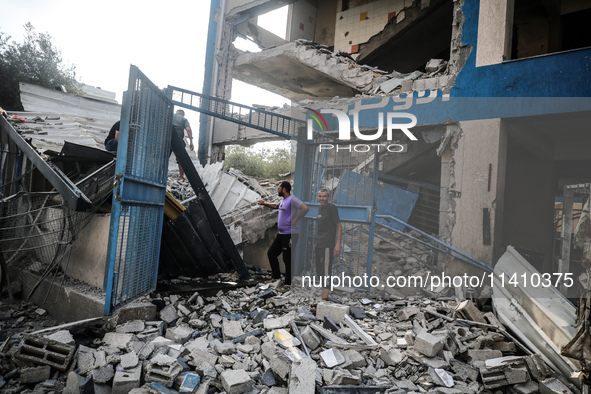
(242, 340)
(35, 374)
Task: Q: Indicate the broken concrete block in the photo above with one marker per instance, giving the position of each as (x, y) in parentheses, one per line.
(433, 64)
(200, 343)
(300, 378)
(180, 334)
(85, 362)
(186, 382)
(163, 369)
(103, 374)
(481, 355)
(146, 351)
(392, 357)
(118, 340)
(553, 386)
(268, 349)
(144, 311)
(76, 384)
(336, 312)
(537, 367)
(428, 344)
(236, 382)
(332, 357)
(407, 313)
(129, 360)
(406, 85)
(505, 347)
(125, 381)
(35, 374)
(169, 314)
(280, 367)
(280, 301)
(529, 387)
(344, 377)
(62, 336)
(244, 348)
(356, 359)
(279, 322)
(464, 371)
(278, 390)
(231, 329)
(199, 356)
(310, 338)
(384, 336)
(44, 351)
(242, 337)
(468, 311)
(132, 327)
(225, 348)
(205, 369)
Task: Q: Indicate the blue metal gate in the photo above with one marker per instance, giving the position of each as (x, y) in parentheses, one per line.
(138, 197)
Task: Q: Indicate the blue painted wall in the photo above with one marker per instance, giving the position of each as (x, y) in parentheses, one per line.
(556, 75)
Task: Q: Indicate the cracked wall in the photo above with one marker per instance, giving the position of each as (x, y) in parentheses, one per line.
(472, 190)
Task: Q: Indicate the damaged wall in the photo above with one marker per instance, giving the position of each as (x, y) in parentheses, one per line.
(358, 24)
(89, 252)
(473, 175)
(325, 23)
(565, 74)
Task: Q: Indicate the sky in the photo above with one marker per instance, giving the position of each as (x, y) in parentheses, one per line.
(166, 40)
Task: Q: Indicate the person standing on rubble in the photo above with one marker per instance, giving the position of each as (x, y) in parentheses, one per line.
(329, 235)
(112, 140)
(288, 230)
(179, 125)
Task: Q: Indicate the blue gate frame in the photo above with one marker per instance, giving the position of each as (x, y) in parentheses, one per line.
(140, 188)
(356, 192)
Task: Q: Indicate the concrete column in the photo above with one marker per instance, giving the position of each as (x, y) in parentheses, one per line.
(472, 184)
(495, 29)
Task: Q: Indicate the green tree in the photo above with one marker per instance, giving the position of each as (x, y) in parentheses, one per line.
(36, 60)
(262, 163)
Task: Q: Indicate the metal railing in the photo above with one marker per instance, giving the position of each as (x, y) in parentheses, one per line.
(256, 118)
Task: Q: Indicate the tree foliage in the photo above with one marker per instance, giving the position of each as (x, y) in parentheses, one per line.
(36, 60)
(258, 163)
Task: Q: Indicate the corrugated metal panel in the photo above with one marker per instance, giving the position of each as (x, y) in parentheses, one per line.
(39, 99)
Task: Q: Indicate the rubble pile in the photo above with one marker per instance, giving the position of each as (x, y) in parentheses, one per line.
(268, 338)
(397, 255)
(373, 81)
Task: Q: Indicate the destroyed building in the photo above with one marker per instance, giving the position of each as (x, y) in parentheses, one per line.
(495, 180)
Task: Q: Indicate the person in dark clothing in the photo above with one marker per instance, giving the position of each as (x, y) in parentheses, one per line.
(112, 140)
(328, 240)
(179, 125)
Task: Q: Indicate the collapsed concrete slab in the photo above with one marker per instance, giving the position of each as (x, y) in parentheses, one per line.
(541, 316)
(312, 72)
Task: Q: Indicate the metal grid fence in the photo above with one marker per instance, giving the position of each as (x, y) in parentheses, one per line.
(39, 228)
(138, 198)
(328, 168)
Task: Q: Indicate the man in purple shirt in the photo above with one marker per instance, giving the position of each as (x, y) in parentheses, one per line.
(288, 230)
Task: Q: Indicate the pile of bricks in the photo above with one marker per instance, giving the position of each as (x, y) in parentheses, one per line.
(271, 339)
